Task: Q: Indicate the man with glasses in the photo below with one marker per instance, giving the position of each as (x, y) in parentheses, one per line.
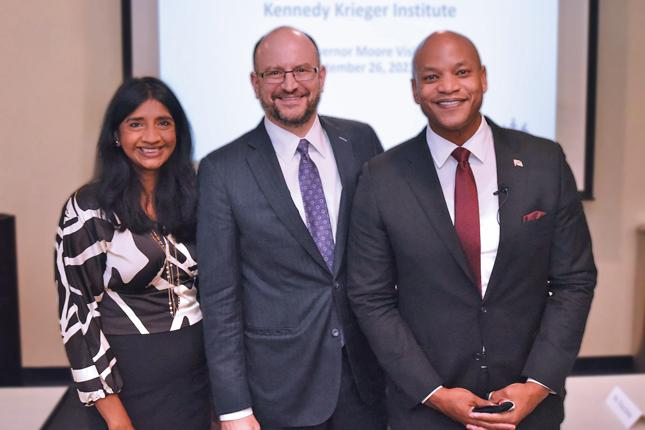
(283, 346)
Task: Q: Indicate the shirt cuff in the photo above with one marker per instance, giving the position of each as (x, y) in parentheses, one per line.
(539, 383)
(237, 415)
(430, 395)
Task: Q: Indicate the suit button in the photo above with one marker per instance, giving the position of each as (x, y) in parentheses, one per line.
(479, 356)
(336, 285)
(335, 332)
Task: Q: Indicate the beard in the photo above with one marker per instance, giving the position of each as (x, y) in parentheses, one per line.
(272, 111)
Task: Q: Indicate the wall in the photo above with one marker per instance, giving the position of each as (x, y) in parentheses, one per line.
(619, 180)
(61, 61)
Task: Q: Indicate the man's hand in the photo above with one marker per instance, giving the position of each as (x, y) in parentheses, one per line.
(246, 423)
(526, 397)
(458, 403)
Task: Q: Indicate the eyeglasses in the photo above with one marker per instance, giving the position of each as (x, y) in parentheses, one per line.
(300, 74)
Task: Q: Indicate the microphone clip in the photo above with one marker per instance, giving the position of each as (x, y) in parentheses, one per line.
(502, 190)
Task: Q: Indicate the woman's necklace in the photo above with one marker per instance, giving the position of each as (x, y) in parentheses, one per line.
(171, 270)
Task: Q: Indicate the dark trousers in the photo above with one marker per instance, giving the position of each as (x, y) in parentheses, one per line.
(351, 412)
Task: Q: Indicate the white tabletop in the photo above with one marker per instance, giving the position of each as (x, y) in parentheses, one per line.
(585, 407)
(27, 408)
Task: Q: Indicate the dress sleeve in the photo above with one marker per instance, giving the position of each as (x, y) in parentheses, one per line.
(80, 258)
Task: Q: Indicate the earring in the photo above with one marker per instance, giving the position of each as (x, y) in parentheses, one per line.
(117, 143)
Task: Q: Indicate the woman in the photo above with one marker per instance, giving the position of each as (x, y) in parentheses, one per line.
(126, 269)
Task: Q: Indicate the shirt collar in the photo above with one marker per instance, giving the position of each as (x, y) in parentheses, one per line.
(441, 149)
(285, 143)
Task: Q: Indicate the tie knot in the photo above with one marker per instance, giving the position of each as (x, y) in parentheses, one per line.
(461, 154)
(303, 147)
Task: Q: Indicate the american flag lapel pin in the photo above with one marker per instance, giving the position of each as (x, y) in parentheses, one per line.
(517, 163)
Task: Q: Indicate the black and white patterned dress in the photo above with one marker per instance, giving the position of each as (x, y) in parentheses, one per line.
(113, 283)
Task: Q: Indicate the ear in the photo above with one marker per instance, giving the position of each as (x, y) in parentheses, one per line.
(415, 91)
(322, 74)
(484, 79)
(255, 82)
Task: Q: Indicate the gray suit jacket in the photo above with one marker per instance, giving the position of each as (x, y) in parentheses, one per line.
(434, 328)
(273, 311)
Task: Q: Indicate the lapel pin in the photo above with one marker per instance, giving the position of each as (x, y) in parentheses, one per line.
(517, 163)
(344, 139)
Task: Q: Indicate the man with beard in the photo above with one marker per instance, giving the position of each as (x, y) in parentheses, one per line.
(283, 347)
(470, 266)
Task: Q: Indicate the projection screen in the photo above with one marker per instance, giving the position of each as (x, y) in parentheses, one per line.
(539, 55)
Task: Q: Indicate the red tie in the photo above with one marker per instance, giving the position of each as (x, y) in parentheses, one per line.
(467, 212)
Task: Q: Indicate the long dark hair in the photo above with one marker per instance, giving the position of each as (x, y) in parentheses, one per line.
(119, 186)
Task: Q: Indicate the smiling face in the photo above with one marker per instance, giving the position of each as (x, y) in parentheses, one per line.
(148, 137)
(449, 83)
(291, 104)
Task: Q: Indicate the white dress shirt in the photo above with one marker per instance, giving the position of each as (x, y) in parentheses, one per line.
(285, 145)
(484, 166)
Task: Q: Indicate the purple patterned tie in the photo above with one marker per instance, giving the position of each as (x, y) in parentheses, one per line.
(313, 199)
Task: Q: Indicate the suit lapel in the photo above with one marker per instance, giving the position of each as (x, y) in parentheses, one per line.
(265, 167)
(345, 163)
(513, 177)
(424, 182)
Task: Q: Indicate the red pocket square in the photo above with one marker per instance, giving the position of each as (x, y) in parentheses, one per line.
(533, 216)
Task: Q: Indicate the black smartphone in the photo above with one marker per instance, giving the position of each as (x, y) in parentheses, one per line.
(495, 409)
